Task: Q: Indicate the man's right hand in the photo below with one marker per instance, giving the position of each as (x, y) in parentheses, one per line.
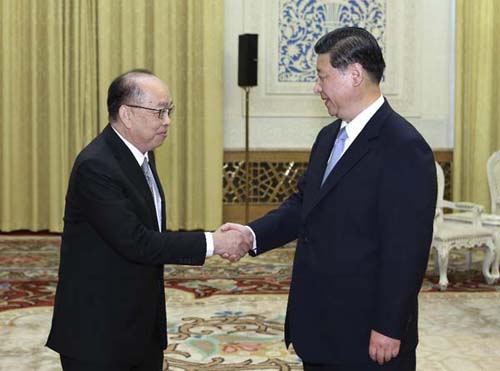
(231, 244)
(245, 231)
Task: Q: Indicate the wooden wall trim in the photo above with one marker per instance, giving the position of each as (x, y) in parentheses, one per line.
(283, 155)
(268, 155)
(443, 155)
(274, 177)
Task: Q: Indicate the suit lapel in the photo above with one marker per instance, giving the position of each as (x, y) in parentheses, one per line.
(131, 169)
(356, 151)
(317, 164)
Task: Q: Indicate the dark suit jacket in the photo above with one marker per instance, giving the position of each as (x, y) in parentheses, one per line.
(363, 241)
(109, 303)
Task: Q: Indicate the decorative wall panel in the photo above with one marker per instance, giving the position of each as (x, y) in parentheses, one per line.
(274, 175)
(270, 182)
(302, 23)
(288, 30)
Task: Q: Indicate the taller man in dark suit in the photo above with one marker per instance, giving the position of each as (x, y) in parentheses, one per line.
(363, 217)
(109, 311)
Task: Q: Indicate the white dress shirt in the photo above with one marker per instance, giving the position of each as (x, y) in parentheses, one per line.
(358, 123)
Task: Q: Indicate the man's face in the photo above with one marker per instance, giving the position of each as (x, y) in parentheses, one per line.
(334, 86)
(148, 130)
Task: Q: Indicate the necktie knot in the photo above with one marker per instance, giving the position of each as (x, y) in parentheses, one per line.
(342, 136)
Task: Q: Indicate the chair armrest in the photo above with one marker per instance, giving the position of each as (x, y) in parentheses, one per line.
(462, 206)
(469, 206)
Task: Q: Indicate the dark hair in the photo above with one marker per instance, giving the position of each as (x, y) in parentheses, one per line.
(349, 45)
(122, 89)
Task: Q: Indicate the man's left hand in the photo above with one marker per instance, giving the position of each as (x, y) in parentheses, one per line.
(383, 348)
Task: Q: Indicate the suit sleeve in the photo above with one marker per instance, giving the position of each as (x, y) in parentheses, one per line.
(282, 225)
(108, 209)
(406, 209)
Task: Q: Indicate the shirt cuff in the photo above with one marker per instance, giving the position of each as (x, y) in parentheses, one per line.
(254, 247)
(210, 244)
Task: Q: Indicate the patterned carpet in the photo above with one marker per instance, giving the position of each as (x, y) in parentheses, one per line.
(230, 316)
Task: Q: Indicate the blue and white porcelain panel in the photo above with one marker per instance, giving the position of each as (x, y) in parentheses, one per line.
(303, 22)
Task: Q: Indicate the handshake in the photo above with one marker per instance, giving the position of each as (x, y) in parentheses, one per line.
(232, 241)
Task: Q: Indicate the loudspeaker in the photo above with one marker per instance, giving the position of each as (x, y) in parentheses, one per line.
(247, 59)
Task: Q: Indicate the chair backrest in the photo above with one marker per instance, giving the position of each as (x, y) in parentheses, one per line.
(440, 182)
(493, 172)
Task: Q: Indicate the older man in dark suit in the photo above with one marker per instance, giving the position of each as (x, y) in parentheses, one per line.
(363, 217)
(109, 311)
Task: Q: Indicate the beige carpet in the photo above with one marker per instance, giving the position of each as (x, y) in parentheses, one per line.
(459, 331)
(230, 316)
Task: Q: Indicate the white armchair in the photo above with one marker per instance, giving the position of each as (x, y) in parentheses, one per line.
(470, 216)
(452, 235)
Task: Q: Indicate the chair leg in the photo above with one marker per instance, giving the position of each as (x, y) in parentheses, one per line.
(496, 263)
(443, 254)
(468, 259)
(436, 262)
(489, 256)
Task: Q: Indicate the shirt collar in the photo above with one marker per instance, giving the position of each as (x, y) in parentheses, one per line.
(138, 155)
(357, 124)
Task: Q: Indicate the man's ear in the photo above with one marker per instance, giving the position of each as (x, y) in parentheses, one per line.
(124, 116)
(357, 74)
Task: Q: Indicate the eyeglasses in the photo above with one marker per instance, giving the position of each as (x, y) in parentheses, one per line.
(162, 113)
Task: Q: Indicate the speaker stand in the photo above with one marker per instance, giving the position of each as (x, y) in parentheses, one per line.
(247, 156)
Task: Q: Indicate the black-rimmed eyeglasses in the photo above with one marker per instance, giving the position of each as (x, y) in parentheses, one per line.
(162, 113)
